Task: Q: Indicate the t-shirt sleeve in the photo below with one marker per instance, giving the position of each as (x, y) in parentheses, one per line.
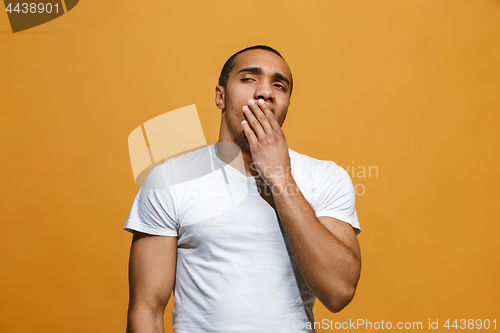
(153, 211)
(336, 196)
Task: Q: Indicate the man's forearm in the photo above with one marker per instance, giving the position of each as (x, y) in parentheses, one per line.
(329, 267)
(144, 320)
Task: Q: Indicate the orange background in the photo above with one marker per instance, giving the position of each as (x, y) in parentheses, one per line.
(411, 87)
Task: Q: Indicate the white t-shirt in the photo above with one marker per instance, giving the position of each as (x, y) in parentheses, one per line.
(235, 269)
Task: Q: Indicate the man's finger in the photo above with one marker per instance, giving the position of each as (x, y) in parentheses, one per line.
(253, 122)
(252, 139)
(261, 116)
(270, 115)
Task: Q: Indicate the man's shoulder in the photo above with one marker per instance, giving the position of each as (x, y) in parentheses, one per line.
(311, 172)
(308, 164)
(190, 165)
(190, 157)
(178, 169)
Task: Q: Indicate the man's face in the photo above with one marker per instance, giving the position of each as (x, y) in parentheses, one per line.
(257, 74)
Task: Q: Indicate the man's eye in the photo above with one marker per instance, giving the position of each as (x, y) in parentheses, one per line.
(246, 79)
(280, 86)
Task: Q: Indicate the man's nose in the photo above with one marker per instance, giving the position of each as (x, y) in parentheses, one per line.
(265, 91)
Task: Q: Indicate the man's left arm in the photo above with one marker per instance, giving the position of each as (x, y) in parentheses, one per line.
(326, 249)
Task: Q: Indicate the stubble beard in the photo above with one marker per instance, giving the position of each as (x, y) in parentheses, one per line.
(239, 137)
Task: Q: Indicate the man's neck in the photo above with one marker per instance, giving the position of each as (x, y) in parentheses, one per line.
(233, 155)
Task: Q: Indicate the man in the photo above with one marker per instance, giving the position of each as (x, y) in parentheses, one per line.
(247, 232)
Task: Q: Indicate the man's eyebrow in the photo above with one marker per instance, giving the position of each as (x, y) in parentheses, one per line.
(282, 77)
(250, 69)
(259, 70)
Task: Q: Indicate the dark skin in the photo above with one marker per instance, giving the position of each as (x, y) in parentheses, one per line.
(326, 249)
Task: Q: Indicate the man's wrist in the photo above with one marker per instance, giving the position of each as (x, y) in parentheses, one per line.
(285, 186)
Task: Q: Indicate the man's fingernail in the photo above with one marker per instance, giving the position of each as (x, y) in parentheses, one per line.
(261, 102)
(251, 102)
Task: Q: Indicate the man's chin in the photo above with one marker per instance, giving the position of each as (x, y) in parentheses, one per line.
(245, 147)
(243, 143)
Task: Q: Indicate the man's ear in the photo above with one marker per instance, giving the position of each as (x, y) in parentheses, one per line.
(220, 97)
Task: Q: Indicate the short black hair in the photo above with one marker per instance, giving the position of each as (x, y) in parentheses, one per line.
(229, 65)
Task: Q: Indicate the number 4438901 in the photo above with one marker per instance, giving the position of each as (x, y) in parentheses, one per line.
(33, 8)
(471, 324)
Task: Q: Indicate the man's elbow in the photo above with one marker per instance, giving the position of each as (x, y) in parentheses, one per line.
(335, 303)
